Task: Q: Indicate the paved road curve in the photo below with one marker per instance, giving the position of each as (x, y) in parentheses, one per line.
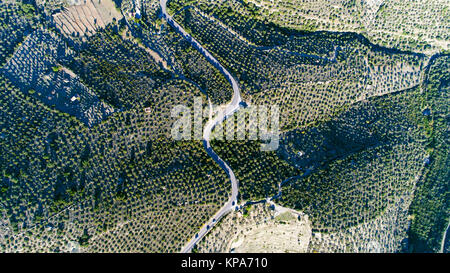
(230, 108)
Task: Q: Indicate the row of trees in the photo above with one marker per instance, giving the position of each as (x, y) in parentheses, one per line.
(318, 73)
(121, 185)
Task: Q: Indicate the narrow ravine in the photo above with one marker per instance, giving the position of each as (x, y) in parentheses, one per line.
(230, 108)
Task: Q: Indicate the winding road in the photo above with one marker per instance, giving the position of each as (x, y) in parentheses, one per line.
(441, 250)
(230, 108)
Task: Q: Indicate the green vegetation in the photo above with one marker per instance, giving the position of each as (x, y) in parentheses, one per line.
(121, 184)
(319, 73)
(62, 171)
(413, 26)
(285, 217)
(119, 72)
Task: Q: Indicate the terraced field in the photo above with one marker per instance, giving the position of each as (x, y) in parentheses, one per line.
(89, 163)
